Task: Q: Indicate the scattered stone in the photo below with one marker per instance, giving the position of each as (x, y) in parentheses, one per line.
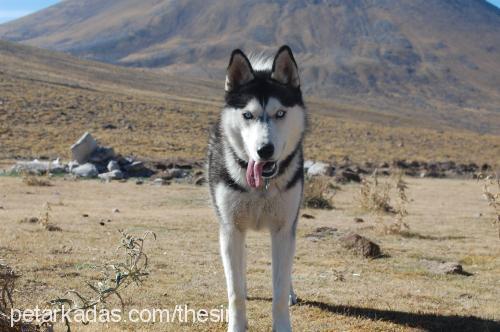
(83, 148)
(113, 166)
(440, 267)
(102, 223)
(308, 164)
(347, 175)
(159, 182)
(87, 170)
(137, 169)
(322, 232)
(85, 215)
(102, 155)
(113, 175)
(109, 126)
(53, 228)
(139, 182)
(32, 220)
(307, 216)
(360, 245)
(115, 210)
(200, 180)
(319, 168)
(359, 220)
(37, 167)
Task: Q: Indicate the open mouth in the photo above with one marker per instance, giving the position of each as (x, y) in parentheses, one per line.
(270, 169)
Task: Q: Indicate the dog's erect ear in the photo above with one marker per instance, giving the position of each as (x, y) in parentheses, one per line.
(239, 71)
(285, 68)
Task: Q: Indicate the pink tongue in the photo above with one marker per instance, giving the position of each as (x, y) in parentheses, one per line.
(254, 173)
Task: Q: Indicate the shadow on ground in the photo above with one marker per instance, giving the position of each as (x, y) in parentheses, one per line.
(426, 321)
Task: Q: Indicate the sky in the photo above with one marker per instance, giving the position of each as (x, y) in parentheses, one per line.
(12, 9)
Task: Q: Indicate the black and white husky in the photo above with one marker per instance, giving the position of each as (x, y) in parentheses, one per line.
(255, 172)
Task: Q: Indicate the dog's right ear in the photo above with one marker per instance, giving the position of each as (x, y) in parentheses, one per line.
(239, 71)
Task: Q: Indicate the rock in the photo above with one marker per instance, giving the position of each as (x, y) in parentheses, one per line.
(347, 175)
(308, 164)
(319, 168)
(101, 155)
(73, 164)
(113, 166)
(307, 216)
(358, 220)
(87, 170)
(159, 182)
(360, 245)
(440, 267)
(113, 175)
(200, 180)
(109, 126)
(138, 169)
(177, 173)
(85, 215)
(83, 148)
(322, 232)
(139, 182)
(37, 167)
(115, 211)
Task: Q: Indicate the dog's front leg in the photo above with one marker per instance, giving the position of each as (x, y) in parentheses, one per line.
(232, 245)
(283, 248)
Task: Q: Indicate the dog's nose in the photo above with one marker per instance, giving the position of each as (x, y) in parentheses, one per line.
(266, 151)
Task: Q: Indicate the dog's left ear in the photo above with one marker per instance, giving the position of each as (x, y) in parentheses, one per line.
(285, 68)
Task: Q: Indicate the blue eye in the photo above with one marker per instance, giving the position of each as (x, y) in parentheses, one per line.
(248, 115)
(280, 114)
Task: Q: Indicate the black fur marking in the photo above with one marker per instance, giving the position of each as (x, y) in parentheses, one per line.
(263, 87)
(286, 162)
(229, 181)
(298, 175)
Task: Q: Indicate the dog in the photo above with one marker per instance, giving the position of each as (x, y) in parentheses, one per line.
(256, 173)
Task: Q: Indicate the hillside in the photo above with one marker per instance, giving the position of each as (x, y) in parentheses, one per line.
(435, 60)
(48, 99)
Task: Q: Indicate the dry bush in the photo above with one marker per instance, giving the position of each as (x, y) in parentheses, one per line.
(376, 198)
(491, 191)
(8, 279)
(36, 181)
(318, 193)
(116, 276)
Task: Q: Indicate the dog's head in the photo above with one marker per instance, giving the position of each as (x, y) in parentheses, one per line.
(264, 116)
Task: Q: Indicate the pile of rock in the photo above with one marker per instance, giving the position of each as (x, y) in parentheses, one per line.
(91, 160)
(348, 171)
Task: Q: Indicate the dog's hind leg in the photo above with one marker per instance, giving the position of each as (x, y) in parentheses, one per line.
(283, 247)
(232, 245)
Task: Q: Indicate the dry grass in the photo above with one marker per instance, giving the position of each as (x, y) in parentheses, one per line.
(318, 193)
(386, 197)
(36, 181)
(491, 191)
(48, 101)
(338, 291)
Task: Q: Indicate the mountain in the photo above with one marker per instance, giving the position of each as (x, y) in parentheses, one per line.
(437, 60)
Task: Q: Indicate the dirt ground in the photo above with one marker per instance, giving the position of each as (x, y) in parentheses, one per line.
(449, 221)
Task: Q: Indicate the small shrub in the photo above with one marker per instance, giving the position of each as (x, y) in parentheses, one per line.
(375, 198)
(36, 181)
(318, 193)
(491, 191)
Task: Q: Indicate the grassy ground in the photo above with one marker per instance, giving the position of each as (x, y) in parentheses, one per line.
(338, 291)
(49, 100)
